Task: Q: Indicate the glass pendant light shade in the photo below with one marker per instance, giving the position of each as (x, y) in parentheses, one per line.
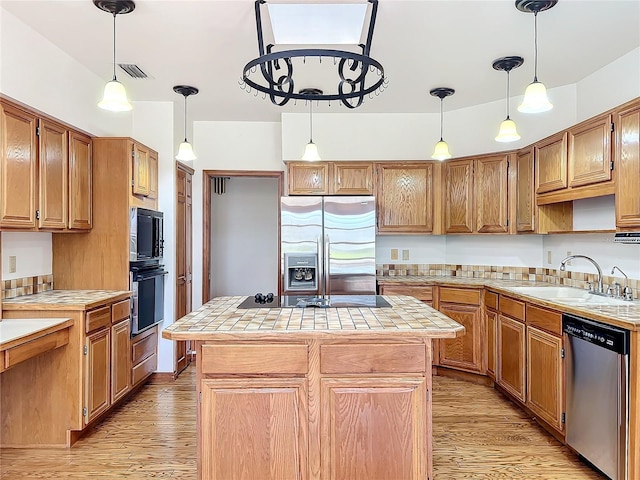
(508, 132)
(441, 152)
(185, 152)
(311, 153)
(115, 98)
(535, 99)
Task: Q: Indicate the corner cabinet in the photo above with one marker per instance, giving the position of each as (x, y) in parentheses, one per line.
(627, 162)
(45, 172)
(405, 197)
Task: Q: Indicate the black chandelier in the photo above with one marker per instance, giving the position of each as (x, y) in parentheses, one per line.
(272, 73)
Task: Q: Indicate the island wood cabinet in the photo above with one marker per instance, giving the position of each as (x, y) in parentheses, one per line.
(464, 306)
(511, 366)
(405, 197)
(627, 162)
(319, 402)
(545, 380)
(330, 178)
(45, 173)
(476, 195)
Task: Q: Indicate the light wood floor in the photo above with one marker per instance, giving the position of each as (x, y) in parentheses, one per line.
(477, 434)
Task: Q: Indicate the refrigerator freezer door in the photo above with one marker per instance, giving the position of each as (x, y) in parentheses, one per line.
(350, 239)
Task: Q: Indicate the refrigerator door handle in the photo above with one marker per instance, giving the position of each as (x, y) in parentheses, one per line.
(327, 267)
(320, 266)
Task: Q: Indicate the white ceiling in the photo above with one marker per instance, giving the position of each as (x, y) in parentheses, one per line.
(422, 44)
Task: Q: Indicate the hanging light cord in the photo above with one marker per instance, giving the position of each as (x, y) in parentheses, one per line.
(441, 117)
(185, 118)
(535, 46)
(114, 46)
(508, 72)
(310, 121)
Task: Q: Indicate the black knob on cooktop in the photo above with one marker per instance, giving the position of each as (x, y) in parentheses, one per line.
(260, 298)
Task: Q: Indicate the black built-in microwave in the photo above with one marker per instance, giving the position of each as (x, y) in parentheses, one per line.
(146, 242)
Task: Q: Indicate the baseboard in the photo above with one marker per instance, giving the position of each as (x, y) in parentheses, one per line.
(466, 376)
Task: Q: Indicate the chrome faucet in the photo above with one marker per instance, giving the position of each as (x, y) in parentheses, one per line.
(626, 292)
(600, 287)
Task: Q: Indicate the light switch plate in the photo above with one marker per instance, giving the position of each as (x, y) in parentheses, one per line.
(12, 264)
(405, 254)
(394, 254)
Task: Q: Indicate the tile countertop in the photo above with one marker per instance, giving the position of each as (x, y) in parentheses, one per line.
(625, 316)
(65, 300)
(220, 319)
(14, 332)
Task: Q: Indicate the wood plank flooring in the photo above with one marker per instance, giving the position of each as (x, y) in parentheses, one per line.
(477, 434)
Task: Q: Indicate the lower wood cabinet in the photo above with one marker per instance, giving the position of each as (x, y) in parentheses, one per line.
(544, 376)
(511, 373)
(120, 359)
(97, 374)
(144, 358)
(247, 414)
(492, 344)
(374, 428)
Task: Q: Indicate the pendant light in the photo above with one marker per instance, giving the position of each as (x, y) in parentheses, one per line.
(441, 151)
(535, 96)
(185, 151)
(114, 98)
(311, 150)
(508, 132)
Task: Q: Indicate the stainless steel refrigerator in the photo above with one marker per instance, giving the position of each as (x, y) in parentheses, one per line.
(328, 245)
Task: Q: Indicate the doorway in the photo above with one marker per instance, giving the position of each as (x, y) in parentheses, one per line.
(241, 234)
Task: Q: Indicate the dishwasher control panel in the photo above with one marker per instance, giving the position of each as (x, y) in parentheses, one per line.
(605, 336)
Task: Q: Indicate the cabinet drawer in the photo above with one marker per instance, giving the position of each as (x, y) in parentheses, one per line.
(421, 293)
(249, 359)
(512, 308)
(372, 358)
(120, 310)
(545, 319)
(143, 348)
(144, 369)
(15, 355)
(459, 295)
(491, 300)
(101, 317)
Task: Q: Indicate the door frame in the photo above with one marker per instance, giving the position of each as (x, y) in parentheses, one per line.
(207, 175)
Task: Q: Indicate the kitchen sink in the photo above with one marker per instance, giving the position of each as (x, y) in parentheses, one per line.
(568, 296)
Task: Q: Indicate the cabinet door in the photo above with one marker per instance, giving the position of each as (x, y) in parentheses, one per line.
(53, 165)
(525, 198)
(544, 376)
(627, 167)
(511, 372)
(551, 163)
(18, 194)
(374, 428)
(253, 428)
(590, 152)
(463, 352)
(352, 178)
(405, 198)
(490, 180)
(140, 170)
(97, 367)
(153, 174)
(308, 178)
(120, 359)
(80, 177)
(458, 201)
(492, 346)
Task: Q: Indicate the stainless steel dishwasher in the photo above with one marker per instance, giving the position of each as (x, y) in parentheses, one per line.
(597, 409)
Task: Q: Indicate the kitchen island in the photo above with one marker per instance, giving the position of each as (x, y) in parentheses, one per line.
(310, 393)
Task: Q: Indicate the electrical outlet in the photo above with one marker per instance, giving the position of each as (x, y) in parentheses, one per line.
(394, 254)
(12, 264)
(568, 261)
(549, 257)
(405, 254)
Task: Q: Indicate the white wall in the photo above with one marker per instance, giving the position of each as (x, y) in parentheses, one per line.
(422, 248)
(228, 146)
(244, 237)
(32, 252)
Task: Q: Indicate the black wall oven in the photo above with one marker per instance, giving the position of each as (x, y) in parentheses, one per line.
(147, 285)
(146, 241)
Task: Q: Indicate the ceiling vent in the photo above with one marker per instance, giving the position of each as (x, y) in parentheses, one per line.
(133, 70)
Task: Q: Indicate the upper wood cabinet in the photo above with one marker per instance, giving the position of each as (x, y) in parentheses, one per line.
(141, 166)
(551, 163)
(18, 167)
(45, 173)
(525, 198)
(405, 199)
(153, 174)
(627, 162)
(476, 195)
(590, 151)
(330, 178)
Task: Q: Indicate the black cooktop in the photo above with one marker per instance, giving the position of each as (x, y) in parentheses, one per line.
(301, 301)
